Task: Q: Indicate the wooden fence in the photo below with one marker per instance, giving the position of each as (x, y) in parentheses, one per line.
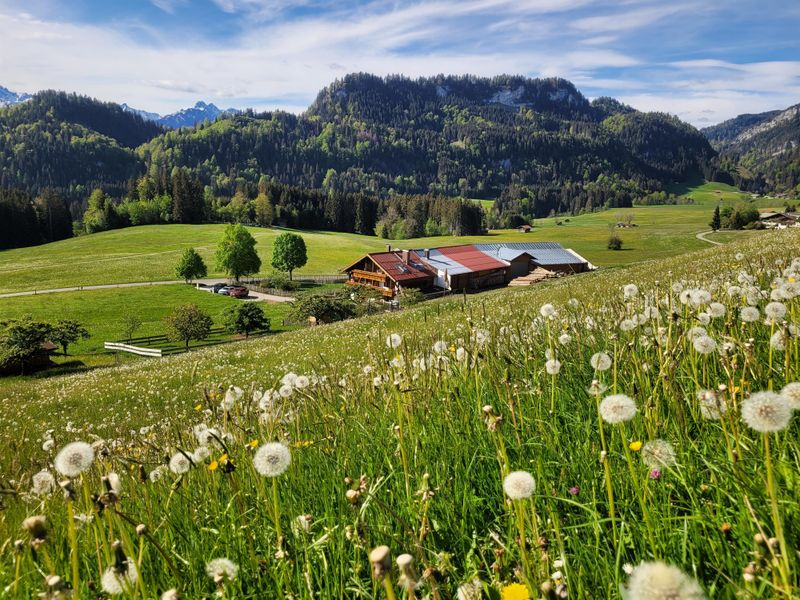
(138, 350)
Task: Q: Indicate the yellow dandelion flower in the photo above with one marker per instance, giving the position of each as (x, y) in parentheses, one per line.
(452, 348)
(635, 446)
(199, 407)
(223, 458)
(213, 466)
(253, 444)
(515, 591)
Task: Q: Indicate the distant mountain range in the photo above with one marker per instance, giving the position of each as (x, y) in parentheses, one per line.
(186, 117)
(7, 97)
(764, 146)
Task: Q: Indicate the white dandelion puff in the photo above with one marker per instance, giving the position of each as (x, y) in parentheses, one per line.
(791, 394)
(660, 581)
(600, 361)
(222, 570)
(471, 590)
(658, 454)
(43, 483)
(272, 459)
(766, 412)
(778, 341)
(712, 405)
(749, 314)
(774, 311)
(232, 396)
(519, 485)
(440, 347)
(179, 463)
(704, 344)
(552, 366)
(119, 579)
(394, 340)
(617, 408)
(627, 325)
(716, 310)
(630, 291)
(74, 459)
(548, 311)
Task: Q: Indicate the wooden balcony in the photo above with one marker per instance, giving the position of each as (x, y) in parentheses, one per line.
(358, 274)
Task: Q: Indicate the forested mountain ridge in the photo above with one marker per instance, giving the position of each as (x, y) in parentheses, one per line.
(537, 143)
(765, 146)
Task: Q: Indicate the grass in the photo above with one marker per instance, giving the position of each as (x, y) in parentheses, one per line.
(102, 311)
(149, 253)
(409, 447)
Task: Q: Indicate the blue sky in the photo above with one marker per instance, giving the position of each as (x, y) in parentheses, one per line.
(704, 61)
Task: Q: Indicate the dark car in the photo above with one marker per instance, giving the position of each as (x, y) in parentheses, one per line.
(238, 292)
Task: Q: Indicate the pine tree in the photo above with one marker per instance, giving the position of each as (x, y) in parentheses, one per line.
(716, 221)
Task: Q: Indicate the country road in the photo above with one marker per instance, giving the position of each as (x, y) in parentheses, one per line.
(702, 236)
(204, 282)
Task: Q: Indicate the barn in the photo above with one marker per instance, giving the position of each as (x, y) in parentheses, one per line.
(390, 272)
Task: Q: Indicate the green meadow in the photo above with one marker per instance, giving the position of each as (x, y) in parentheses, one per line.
(571, 439)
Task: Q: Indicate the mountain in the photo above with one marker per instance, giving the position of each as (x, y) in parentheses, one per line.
(187, 117)
(765, 146)
(8, 98)
(537, 145)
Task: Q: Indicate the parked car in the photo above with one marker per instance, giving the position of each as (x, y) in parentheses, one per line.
(214, 289)
(224, 290)
(238, 292)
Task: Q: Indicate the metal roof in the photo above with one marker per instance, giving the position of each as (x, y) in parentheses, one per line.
(442, 262)
(544, 253)
(397, 269)
(472, 258)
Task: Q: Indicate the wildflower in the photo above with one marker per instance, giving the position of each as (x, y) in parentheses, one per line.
(658, 454)
(548, 311)
(394, 340)
(36, 526)
(659, 581)
(766, 412)
(574, 490)
(471, 590)
(461, 354)
(440, 347)
(232, 396)
(627, 325)
(716, 310)
(749, 314)
(519, 485)
(600, 361)
(113, 482)
(74, 459)
(272, 459)
(712, 405)
(552, 366)
(630, 291)
(635, 445)
(48, 444)
(286, 390)
(43, 483)
(617, 408)
(778, 341)
(179, 463)
(213, 465)
(379, 557)
(627, 568)
(222, 570)
(514, 591)
(791, 394)
(170, 595)
(774, 312)
(157, 473)
(704, 344)
(564, 339)
(408, 579)
(122, 576)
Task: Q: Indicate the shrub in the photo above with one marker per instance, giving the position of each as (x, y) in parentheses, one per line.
(187, 323)
(325, 307)
(245, 318)
(614, 242)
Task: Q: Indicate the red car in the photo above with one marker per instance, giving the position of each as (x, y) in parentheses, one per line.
(238, 292)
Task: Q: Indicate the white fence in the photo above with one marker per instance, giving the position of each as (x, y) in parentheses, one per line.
(133, 349)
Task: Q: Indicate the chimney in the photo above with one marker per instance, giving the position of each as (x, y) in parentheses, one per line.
(405, 256)
(427, 252)
(388, 247)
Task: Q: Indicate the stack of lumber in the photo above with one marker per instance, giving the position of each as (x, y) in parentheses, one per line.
(535, 276)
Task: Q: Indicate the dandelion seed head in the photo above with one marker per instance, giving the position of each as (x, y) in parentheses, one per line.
(659, 581)
(778, 341)
(43, 483)
(519, 485)
(179, 463)
(548, 311)
(716, 310)
(222, 570)
(658, 454)
(471, 590)
(630, 291)
(749, 314)
(791, 394)
(118, 580)
(766, 412)
(600, 361)
(394, 340)
(712, 405)
(617, 408)
(272, 459)
(775, 311)
(627, 325)
(704, 344)
(440, 347)
(552, 366)
(74, 459)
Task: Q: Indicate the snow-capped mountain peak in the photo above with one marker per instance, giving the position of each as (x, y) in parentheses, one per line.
(7, 97)
(186, 117)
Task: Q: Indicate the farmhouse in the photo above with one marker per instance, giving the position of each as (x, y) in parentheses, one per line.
(466, 267)
(779, 220)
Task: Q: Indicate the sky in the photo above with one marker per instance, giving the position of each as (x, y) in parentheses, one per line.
(702, 60)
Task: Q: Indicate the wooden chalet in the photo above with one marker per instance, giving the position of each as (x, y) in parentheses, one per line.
(390, 272)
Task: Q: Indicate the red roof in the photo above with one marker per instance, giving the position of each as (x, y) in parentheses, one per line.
(397, 269)
(472, 258)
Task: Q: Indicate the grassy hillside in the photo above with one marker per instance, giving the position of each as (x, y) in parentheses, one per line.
(102, 311)
(149, 253)
(410, 446)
